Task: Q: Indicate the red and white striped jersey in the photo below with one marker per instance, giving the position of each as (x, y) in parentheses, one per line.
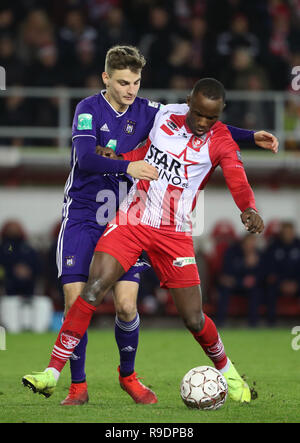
(185, 163)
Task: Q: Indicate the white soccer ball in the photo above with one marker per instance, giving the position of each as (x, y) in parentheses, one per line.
(204, 387)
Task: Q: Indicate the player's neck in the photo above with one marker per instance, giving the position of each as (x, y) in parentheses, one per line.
(119, 107)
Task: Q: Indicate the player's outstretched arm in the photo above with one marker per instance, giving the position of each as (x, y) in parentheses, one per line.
(266, 140)
(252, 221)
(263, 139)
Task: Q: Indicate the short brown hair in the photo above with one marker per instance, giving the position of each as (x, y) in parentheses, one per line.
(124, 57)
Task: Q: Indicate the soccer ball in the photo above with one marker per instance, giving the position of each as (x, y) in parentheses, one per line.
(203, 387)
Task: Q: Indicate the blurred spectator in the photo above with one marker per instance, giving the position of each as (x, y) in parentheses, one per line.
(242, 68)
(7, 18)
(19, 260)
(15, 111)
(246, 74)
(281, 267)
(99, 9)
(179, 63)
(48, 70)
(74, 31)
(86, 64)
(157, 44)
(279, 44)
(36, 32)
(241, 275)
(115, 29)
(202, 59)
(15, 69)
(252, 114)
(238, 36)
(53, 286)
(222, 236)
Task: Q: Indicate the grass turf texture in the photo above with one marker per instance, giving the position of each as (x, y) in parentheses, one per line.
(164, 356)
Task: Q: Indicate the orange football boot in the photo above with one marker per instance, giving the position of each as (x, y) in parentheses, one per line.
(139, 392)
(78, 395)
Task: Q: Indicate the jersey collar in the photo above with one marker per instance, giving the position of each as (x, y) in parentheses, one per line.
(118, 114)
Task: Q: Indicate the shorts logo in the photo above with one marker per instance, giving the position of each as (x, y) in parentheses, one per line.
(84, 121)
(179, 262)
(130, 127)
(70, 261)
(68, 341)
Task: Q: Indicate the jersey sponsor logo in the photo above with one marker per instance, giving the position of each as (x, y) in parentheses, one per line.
(105, 128)
(168, 168)
(179, 262)
(84, 121)
(68, 341)
(112, 144)
(70, 261)
(169, 127)
(153, 104)
(130, 127)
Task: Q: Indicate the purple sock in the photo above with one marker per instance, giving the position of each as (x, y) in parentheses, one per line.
(77, 361)
(127, 338)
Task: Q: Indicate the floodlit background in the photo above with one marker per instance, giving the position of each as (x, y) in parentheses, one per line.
(53, 54)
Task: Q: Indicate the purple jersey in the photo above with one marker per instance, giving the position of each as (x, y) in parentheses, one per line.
(96, 119)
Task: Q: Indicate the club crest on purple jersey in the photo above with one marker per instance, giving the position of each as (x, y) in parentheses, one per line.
(130, 127)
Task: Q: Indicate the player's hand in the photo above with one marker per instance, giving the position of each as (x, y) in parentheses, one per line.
(107, 152)
(252, 221)
(142, 170)
(266, 140)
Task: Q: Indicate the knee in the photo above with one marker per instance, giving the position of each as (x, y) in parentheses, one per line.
(194, 321)
(95, 290)
(126, 310)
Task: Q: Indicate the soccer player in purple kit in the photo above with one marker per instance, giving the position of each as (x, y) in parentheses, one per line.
(115, 118)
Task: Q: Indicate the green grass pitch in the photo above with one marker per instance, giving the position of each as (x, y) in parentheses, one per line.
(164, 356)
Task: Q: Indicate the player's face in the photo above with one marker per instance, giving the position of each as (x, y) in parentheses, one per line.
(203, 113)
(122, 87)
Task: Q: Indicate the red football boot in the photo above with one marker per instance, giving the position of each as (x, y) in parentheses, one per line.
(78, 395)
(139, 392)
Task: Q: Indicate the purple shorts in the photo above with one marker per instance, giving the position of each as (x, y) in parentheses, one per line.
(75, 248)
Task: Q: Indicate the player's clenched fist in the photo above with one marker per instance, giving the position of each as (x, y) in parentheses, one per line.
(142, 170)
(252, 221)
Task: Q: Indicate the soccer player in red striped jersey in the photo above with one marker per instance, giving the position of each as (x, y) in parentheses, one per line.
(186, 144)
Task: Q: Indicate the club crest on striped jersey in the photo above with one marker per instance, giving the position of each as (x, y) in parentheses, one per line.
(196, 143)
(68, 341)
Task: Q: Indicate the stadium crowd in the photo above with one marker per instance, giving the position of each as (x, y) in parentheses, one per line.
(242, 276)
(63, 43)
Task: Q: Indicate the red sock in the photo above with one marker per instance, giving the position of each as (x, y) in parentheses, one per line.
(211, 343)
(72, 330)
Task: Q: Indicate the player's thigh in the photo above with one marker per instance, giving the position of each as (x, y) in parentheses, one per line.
(125, 299)
(188, 302)
(71, 292)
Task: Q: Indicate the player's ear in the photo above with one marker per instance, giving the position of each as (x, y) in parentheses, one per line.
(105, 78)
